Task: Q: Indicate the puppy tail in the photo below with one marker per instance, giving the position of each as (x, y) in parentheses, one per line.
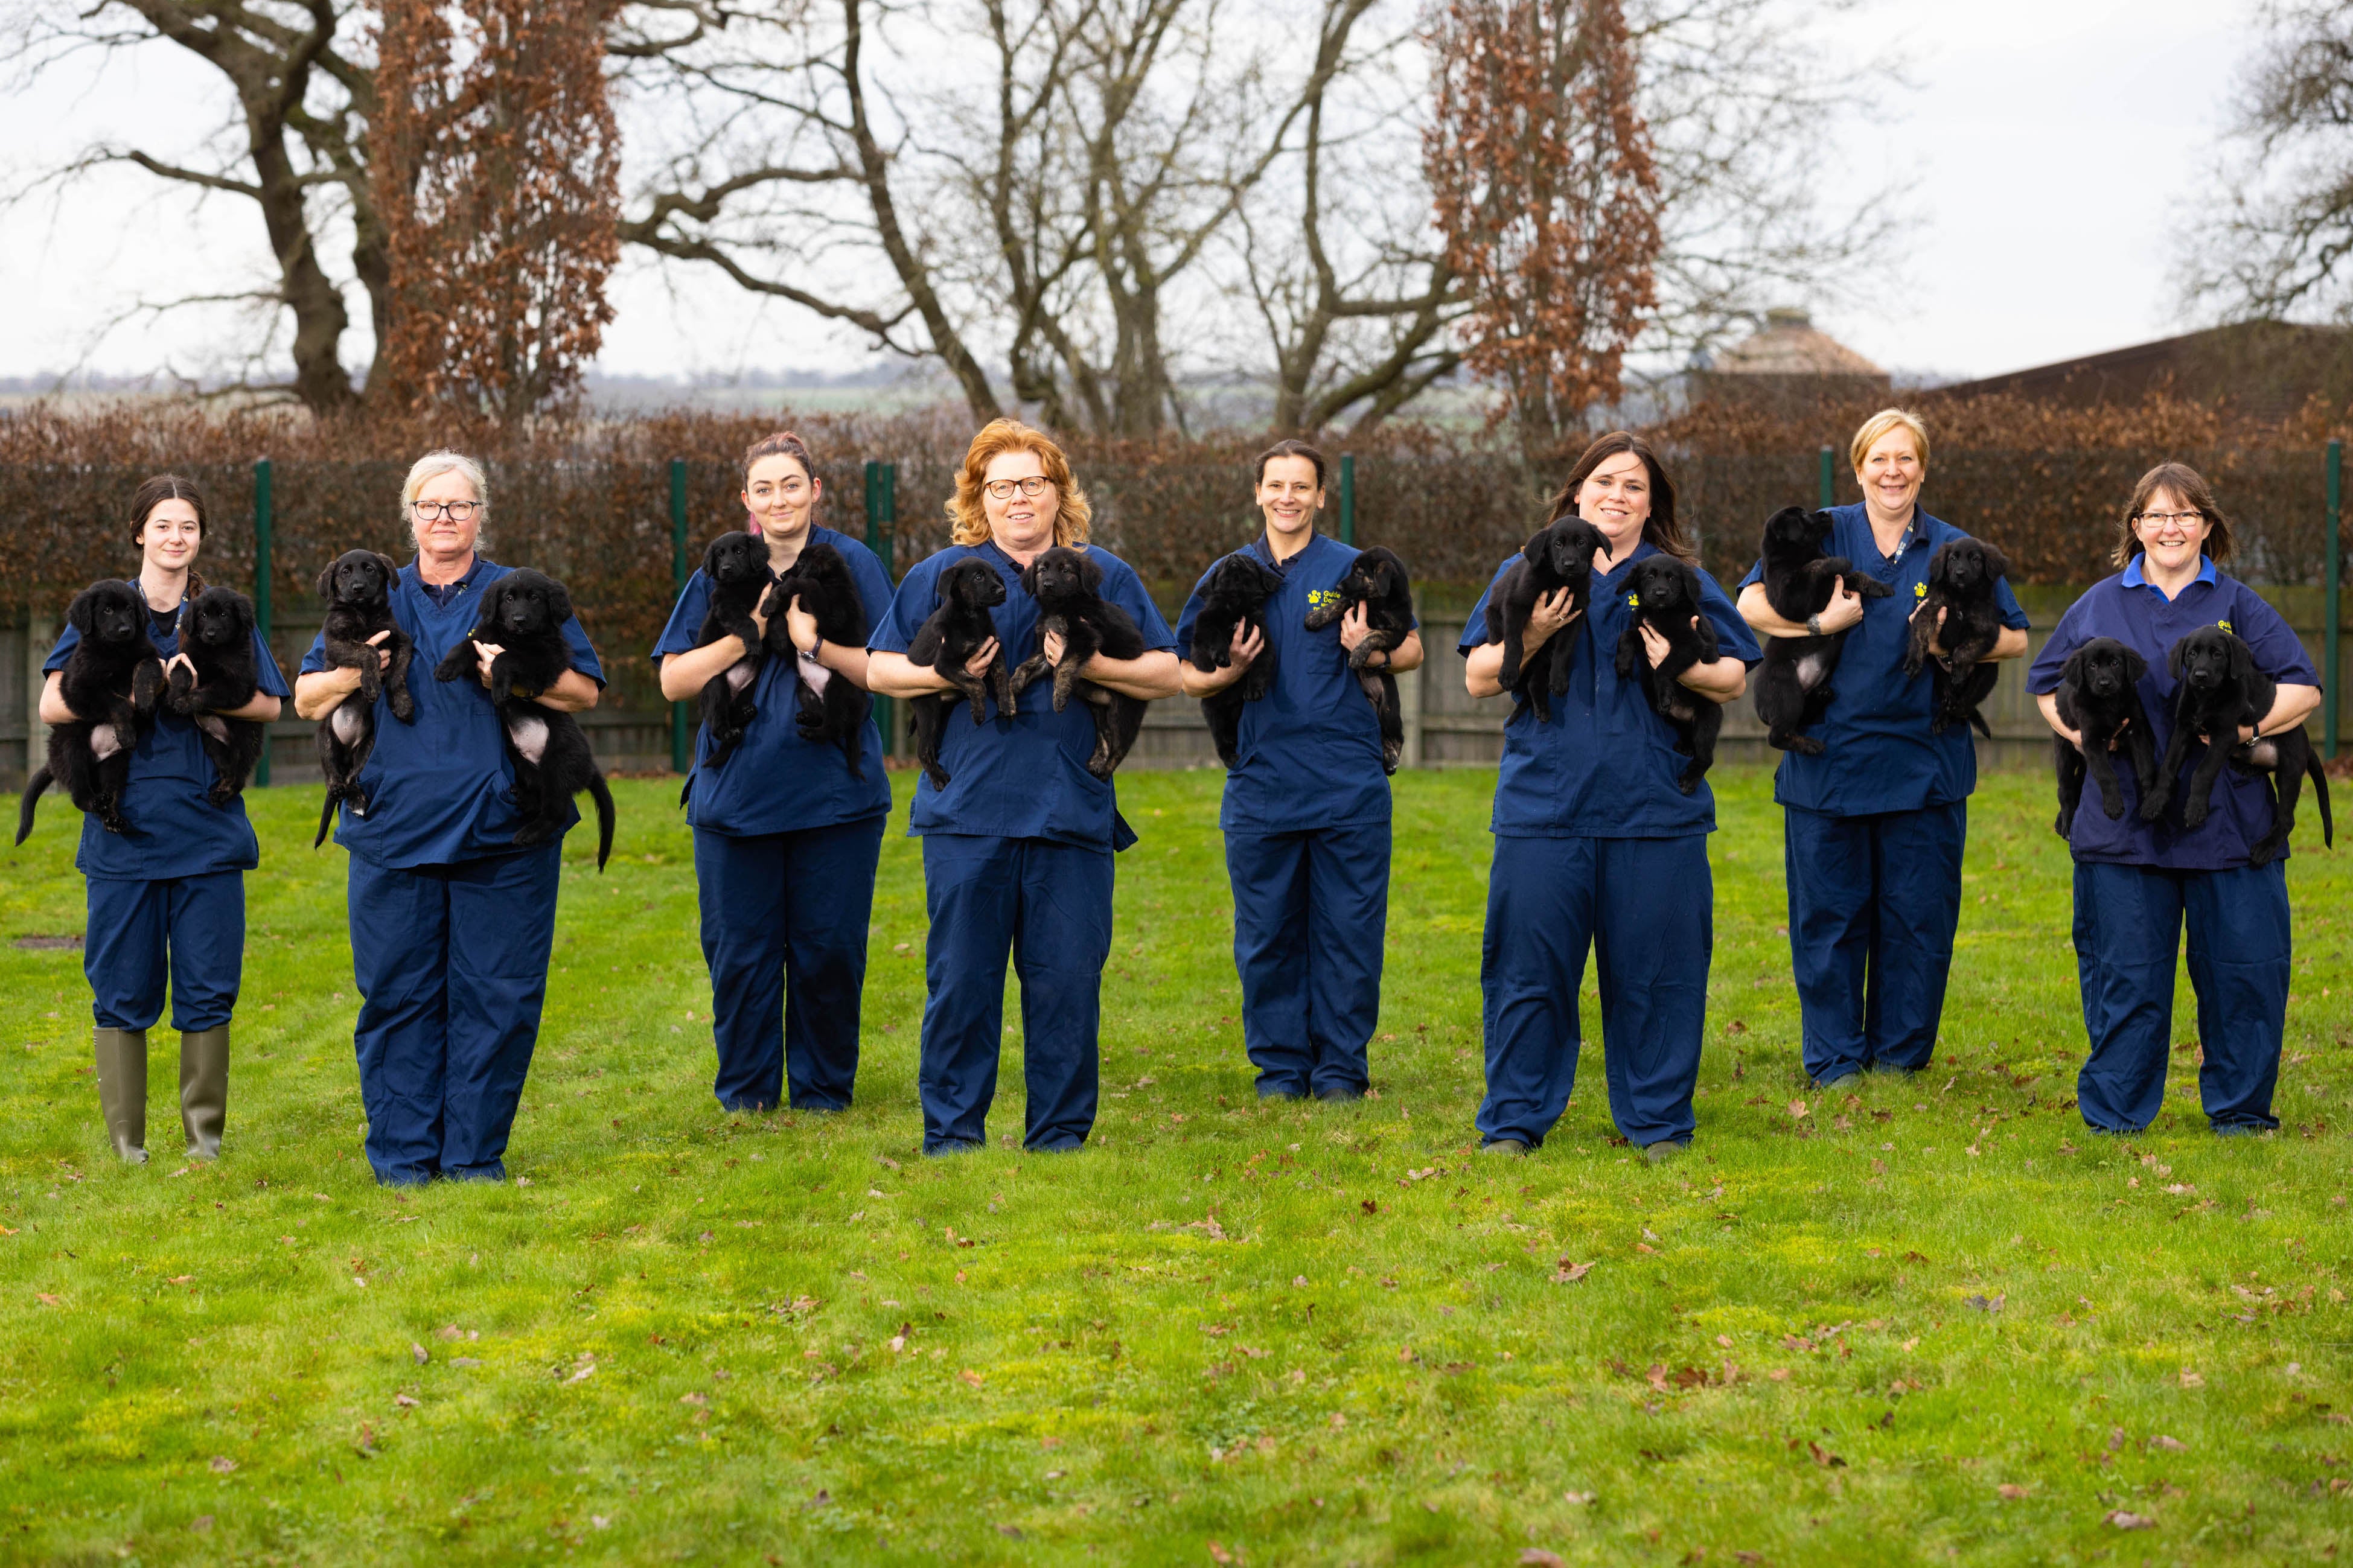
(2319, 794)
(41, 780)
(604, 816)
(327, 815)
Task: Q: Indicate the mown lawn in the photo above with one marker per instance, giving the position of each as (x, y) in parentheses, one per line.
(1924, 1320)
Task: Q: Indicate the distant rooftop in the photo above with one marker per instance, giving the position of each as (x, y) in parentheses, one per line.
(1790, 345)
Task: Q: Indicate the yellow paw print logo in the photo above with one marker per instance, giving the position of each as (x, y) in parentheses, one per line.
(2223, 624)
(1919, 590)
(1634, 601)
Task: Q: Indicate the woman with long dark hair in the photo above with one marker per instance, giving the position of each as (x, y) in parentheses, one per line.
(1596, 845)
(785, 840)
(2138, 882)
(167, 899)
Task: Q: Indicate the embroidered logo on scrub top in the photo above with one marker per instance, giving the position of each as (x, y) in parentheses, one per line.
(1319, 597)
(1919, 590)
(1633, 601)
(2223, 624)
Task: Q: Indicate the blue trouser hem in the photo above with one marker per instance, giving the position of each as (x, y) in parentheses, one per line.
(1311, 918)
(1645, 908)
(1873, 905)
(785, 919)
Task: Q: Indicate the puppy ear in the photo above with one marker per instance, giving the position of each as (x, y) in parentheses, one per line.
(83, 611)
(2135, 666)
(327, 580)
(2243, 658)
(1091, 572)
(559, 601)
(1029, 575)
(2072, 672)
(1997, 563)
(2173, 657)
(391, 569)
(1940, 567)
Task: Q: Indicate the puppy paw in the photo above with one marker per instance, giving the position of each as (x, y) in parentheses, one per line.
(404, 706)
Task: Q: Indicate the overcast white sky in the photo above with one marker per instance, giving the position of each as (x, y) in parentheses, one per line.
(2050, 148)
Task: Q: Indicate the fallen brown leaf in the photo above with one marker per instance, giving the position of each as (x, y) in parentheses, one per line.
(2124, 1521)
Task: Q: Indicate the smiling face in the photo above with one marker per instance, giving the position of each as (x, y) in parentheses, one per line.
(2172, 534)
(1615, 499)
(169, 537)
(781, 496)
(1289, 495)
(1022, 524)
(1891, 473)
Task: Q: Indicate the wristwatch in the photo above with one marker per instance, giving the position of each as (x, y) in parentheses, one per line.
(1813, 625)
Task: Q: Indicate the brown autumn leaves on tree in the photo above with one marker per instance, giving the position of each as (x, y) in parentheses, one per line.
(1544, 185)
(499, 187)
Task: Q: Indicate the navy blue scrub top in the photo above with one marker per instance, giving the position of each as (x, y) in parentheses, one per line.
(2135, 613)
(175, 831)
(1308, 755)
(1605, 767)
(441, 790)
(1023, 777)
(775, 782)
(1878, 754)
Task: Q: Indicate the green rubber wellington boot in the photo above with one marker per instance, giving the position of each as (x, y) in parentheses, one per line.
(204, 1091)
(122, 1089)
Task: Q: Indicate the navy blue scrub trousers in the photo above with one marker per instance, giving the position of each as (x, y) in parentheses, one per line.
(784, 933)
(191, 929)
(1310, 911)
(2129, 921)
(1048, 903)
(451, 963)
(1873, 903)
(1646, 907)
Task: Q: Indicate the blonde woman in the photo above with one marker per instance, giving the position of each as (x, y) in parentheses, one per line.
(450, 923)
(1874, 826)
(1017, 847)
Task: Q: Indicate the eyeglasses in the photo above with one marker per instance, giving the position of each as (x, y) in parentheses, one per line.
(455, 510)
(1032, 486)
(2173, 519)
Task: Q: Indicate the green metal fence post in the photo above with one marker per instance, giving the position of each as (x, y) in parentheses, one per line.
(1348, 498)
(881, 510)
(680, 757)
(2330, 630)
(1830, 479)
(264, 509)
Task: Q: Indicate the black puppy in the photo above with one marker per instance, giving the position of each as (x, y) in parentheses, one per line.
(523, 617)
(115, 674)
(216, 633)
(2221, 690)
(1961, 577)
(2099, 698)
(1068, 586)
(1558, 555)
(1233, 597)
(1793, 684)
(1666, 598)
(832, 708)
(952, 634)
(1376, 580)
(737, 567)
(357, 586)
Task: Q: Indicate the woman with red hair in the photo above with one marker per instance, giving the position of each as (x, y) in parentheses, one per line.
(1018, 846)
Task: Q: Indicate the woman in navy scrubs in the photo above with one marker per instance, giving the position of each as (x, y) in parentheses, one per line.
(1306, 807)
(450, 923)
(785, 841)
(1596, 845)
(1017, 848)
(2137, 882)
(167, 899)
(1874, 828)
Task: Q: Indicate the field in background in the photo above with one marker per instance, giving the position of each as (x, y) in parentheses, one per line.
(1923, 1320)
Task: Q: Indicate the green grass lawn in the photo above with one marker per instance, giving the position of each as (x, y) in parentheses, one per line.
(1922, 1320)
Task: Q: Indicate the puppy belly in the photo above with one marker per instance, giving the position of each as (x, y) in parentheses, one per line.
(739, 674)
(1810, 670)
(816, 677)
(528, 733)
(213, 725)
(348, 723)
(104, 741)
